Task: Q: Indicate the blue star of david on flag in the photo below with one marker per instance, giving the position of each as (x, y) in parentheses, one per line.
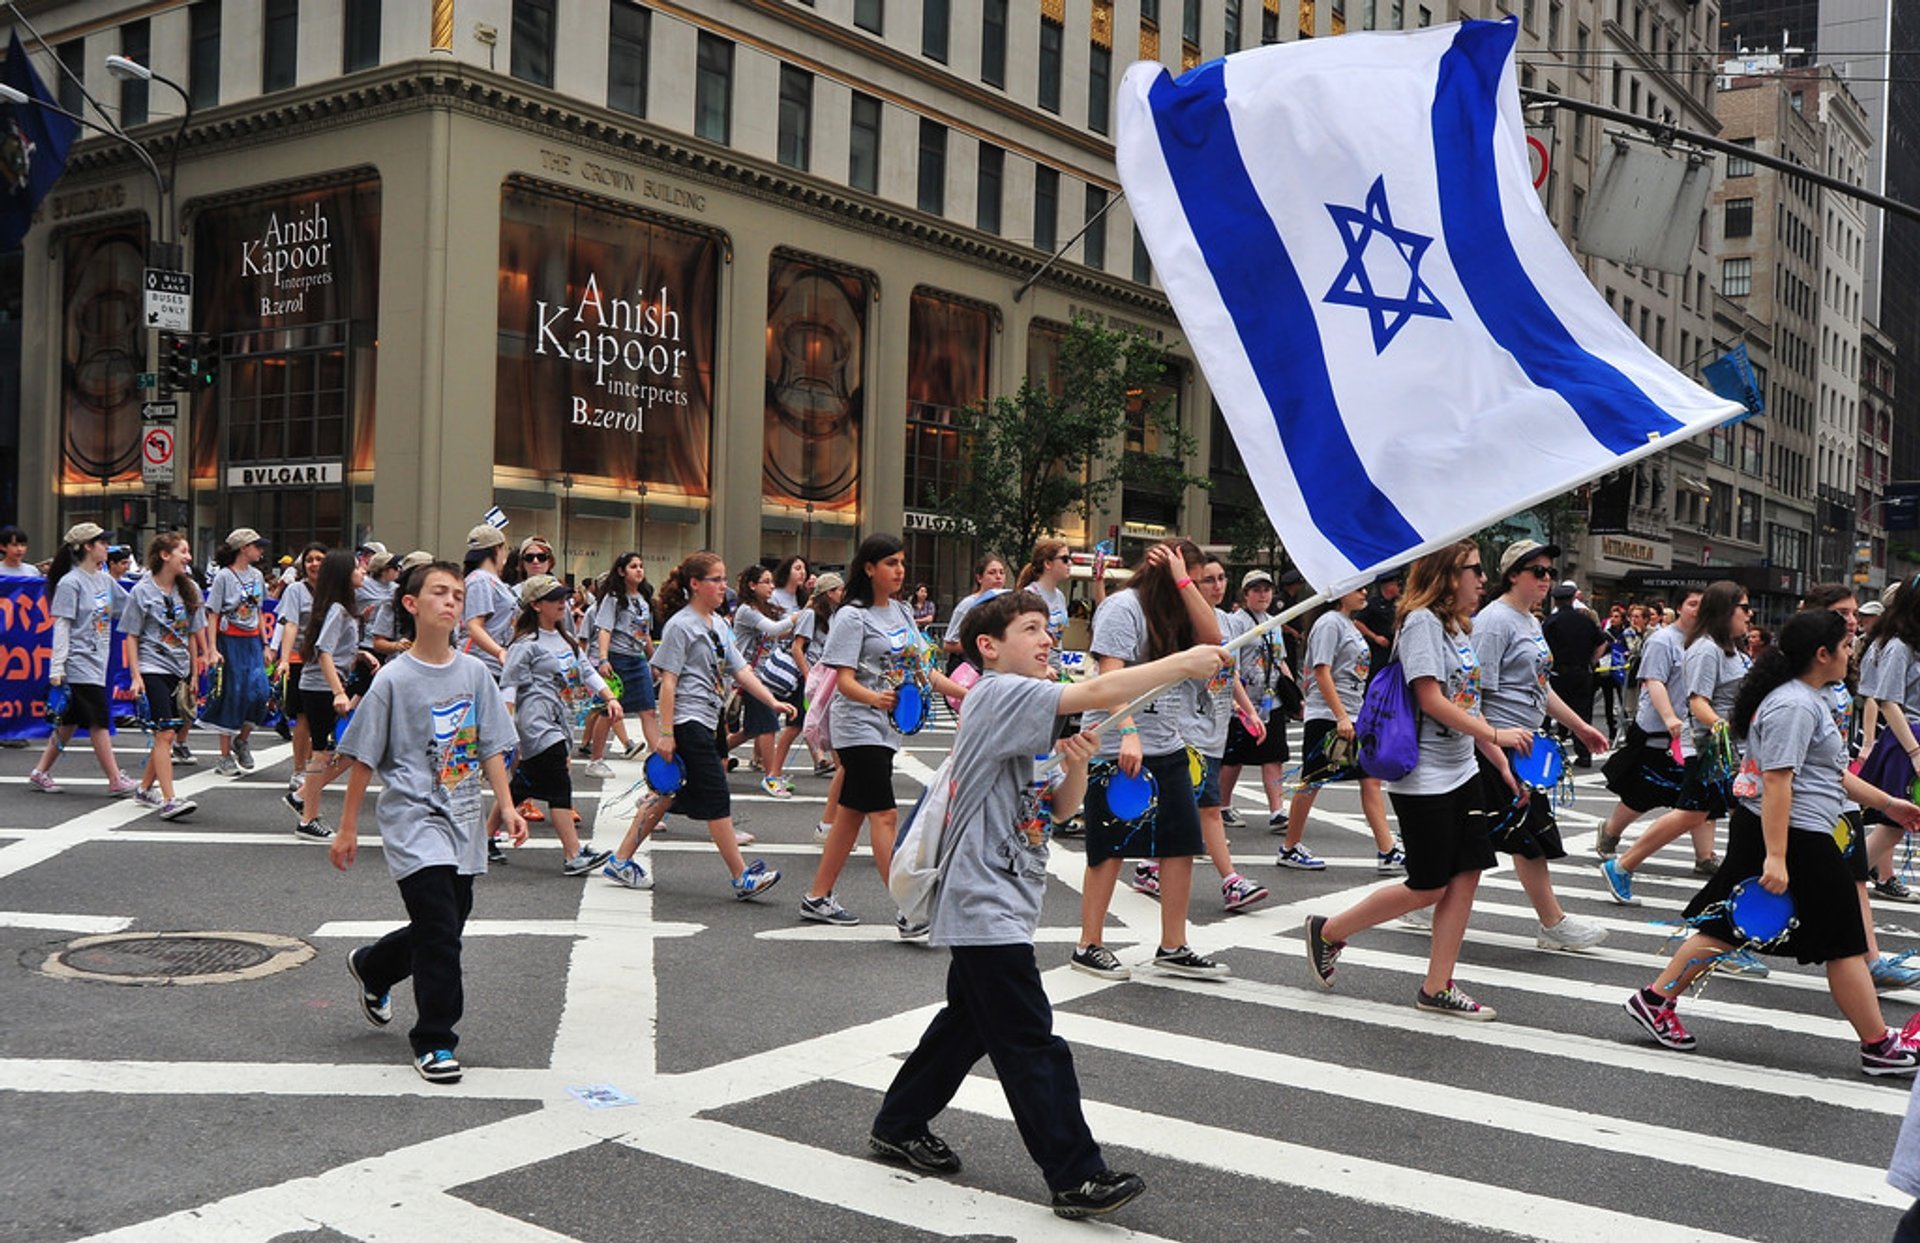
(1354, 285)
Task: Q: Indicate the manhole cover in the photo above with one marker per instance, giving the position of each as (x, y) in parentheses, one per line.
(176, 957)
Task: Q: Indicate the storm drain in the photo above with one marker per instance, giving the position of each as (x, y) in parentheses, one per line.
(176, 957)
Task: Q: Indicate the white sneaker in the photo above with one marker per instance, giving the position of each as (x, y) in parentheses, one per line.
(820, 831)
(773, 787)
(600, 770)
(1570, 934)
(1422, 918)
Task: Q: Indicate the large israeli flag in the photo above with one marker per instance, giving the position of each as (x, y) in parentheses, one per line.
(1403, 348)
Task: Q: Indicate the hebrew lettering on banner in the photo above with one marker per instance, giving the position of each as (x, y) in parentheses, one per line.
(26, 645)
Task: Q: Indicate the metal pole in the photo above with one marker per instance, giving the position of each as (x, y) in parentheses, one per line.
(1055, 256)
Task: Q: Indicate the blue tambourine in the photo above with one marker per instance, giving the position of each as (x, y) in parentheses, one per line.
(1759, 917)
(1541, 768)
(340, 724)
(664, 776)
(55, 707)
(1130, 799)
(911, 708)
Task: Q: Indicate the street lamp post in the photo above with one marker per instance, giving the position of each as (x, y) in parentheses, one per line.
(133, 71)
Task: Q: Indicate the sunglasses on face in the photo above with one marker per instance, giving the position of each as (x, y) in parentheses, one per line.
(1744, 607)
(1538, 571)
(1475, 568)
(545, 557)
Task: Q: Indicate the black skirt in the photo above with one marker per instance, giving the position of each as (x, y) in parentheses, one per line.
(1826, 898)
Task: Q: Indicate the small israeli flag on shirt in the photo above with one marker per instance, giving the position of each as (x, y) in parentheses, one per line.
(1401, 344)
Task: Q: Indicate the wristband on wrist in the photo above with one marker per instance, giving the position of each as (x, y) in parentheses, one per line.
(1888, 805)
(1127, 731)
(1184, 583)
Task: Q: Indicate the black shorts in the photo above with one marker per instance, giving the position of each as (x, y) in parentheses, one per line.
(1697, 793)
(704, 795)
(1826, 898)
(1444, 835)
(1243, 751)
(1314, 768)
(1642, 776)
(86, 708)
(866, 784)
(163, 700)
(544, 776)
(1856, 848)
(317, 708)
(1529, 833)
(1170, 831)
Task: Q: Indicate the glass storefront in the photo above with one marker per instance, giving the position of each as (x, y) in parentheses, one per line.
(815, 406)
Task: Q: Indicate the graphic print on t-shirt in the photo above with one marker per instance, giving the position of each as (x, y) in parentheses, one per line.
(102, 620)
(1467, 696)
(455, 750)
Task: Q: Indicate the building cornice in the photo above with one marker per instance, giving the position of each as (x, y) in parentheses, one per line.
(431, 84)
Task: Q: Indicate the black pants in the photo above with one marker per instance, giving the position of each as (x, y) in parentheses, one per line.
(1576, 693)
(428, 949)
(1610, 692)
(1908, 1230)
(997, 1007)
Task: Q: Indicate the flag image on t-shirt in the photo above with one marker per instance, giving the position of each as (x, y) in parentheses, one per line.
(456, 742)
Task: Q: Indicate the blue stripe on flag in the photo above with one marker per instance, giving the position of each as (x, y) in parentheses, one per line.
(1273, 316)
(1612, 407)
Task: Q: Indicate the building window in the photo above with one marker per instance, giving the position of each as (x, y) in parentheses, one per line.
(1099, 88)
(1740, 165)
(1094, 250)
(1736, 277)
(993, 42)
(360, 46)
(629, 28)
(934, 23)
(73, 74)
(948, 350)
(933, 166)
(1150, 11)
(796, 117)
(713, 89)
(1269, 26)
(531, 58)
(1142, 261)
(135, 45)
(1739, 218)
(863, 152)
(1426, 17)
(1747, 525)
(1231, 26)
(987, 188)
(1046, 208)
(203, 53)
(1190, 21)
(1050, 51)
(870, 15)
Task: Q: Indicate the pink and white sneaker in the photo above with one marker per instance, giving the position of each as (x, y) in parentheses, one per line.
(121, 786)
(43, 782)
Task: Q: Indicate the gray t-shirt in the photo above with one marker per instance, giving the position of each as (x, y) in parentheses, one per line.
(1794, 728)
(385, 623)
(164, 626)
(1428, 649)
(493, 602)
(879, 645)
(549, 686)
(88, 601)
(368, 597)
(426, 730)
(1120, 631)
(961, 610)
(295, 603)
(1715, 675)
(235, 597)
(1889, 672)
(1056, 621)
(759, 634)
(1338, 644)
(1660, 658)
(339, 638)
(628, 623)
(1514, 665)
(991, 891)
(699, 653)
(806, 625)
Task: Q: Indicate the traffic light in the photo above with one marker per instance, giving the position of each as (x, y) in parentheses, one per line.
(206, 362)
(176, 362)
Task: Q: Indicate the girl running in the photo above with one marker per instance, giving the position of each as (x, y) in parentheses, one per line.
(1439, 803)
(234, 600)
(163, 622)
(874, 647)
(762, 629)
(85, 602)
(328, 647)
(1787, 799)
(1337, 659)
(695, 657)
(546, 682)
(1161, 611)
(623, 635)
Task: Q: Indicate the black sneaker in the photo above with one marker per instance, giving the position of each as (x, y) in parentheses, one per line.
(1100, 961)
(494, 853)
(1184, 961)
(1894, 891)
(1321, 953)
(926, 1152)
(313, 831)
(293, 800)
(378, 1007)
(1103, 1193)
(438, 1066)
(1073, 826)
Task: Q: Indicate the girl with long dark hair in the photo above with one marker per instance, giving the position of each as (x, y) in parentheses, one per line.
(695, 658)
(296, 601)
(164, 627)
(84, 601)
(1890, 676)
(761, 626)
(874, 647)
(1786, 801)
(1439, 804)
(235, 602)
(1161, 611)
(623, 637)
(790, 585)
(328, 648)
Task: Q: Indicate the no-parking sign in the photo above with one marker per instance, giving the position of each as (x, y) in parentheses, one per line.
(156, 453)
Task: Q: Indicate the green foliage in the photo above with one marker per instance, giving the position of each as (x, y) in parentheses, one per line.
(1037, 456)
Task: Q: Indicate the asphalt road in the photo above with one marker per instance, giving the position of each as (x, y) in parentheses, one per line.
(754, 1048)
